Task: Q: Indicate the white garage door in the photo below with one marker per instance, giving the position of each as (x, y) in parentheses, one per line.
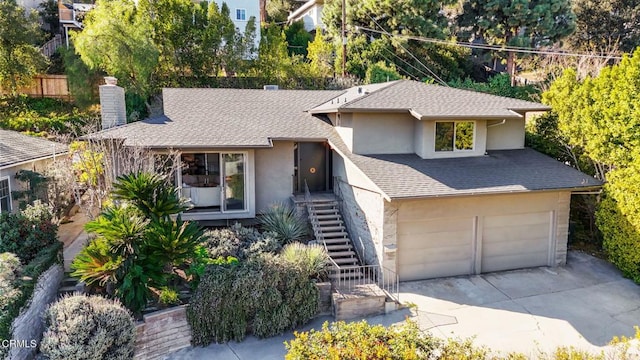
(515, 241)
(435, 248)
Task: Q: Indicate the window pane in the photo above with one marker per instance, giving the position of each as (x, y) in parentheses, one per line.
(5, 199)
(234, 181)
(444, 136)
(464, 135)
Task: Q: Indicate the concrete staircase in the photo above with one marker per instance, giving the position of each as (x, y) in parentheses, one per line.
(329, 230)
(70, 286)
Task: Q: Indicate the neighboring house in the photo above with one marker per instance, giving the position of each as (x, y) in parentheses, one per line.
(435, 181)
(22, 152)
(71, 14)
(311, 13)
(241, 11)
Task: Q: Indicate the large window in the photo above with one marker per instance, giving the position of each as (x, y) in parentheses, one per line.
(454, 135)
(5, 195)
(215, 181)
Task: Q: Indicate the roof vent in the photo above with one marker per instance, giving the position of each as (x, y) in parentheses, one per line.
(270, 87)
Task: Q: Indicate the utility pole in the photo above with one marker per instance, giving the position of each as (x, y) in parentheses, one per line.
(344, 38)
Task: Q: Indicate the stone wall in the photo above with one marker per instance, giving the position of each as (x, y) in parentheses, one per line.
(30, 325)
(363, 213)
(324, 298)
(162, 332)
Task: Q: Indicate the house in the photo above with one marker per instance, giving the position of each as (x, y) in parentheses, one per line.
(435, 181)
(310, 13)
(22, 152)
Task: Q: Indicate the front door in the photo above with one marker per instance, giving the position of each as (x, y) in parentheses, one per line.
(312, 166)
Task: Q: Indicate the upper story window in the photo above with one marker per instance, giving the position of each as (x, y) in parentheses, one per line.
(454, 135)
(5, 195)
(241, 14)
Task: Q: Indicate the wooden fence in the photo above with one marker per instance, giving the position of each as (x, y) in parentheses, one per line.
(50, 86)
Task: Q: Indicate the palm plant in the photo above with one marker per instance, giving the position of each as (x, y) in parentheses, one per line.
(138, 243)
(284, 222)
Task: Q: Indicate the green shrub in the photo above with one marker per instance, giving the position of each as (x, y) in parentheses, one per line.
(239, 242)
(264, 293)
(359, 340)
(10, 268)
(88, 327)
(310, 259)
(47, 257)
(284, 222)
(168, 297)
(27, 232)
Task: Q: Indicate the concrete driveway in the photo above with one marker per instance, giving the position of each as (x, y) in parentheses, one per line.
(583, 305)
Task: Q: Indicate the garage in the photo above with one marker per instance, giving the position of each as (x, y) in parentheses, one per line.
(498, 233)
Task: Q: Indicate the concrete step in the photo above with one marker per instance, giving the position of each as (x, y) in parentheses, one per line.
(357, 274)
(69, 281)
(339, 247)
(337, 241)
(330, 222)
(325, 211)
(329, 217)
(331, 229)
(328, 203)
(337, 254)
(336, 234)
(346, 261)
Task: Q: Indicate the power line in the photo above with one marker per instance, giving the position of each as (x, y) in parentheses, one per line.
(436, 77)
(490, 47)
(401, 68)
(405, 61)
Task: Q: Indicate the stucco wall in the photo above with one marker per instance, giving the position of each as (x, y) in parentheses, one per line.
(376, 133)
(253, 9)
(14, 184)
(274, 174)
(508, 136)
(556, 204)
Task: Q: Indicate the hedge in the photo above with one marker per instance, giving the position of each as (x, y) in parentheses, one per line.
(30, 273)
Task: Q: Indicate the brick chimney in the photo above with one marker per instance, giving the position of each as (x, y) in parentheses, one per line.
(112, 105)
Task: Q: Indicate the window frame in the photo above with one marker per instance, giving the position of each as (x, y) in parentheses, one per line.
(243, 11)
(455, 126)
(8, 180)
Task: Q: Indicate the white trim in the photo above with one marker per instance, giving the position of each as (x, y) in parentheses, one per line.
(8, 179)
(455, 124)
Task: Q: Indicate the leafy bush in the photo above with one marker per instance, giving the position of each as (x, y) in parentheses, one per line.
(47, 257)
(284, 222)
(9, 287)
(360, 340)
(88, 327)
(240, 242)
(27, 232)
(42, 116)
(168, 296)
(310, 259)
(264, 293)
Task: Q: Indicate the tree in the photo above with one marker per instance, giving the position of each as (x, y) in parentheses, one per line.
(20, 60)
(320, 56)
(381, 72)
(600, 116)
(117, 39)
(420, 18)
(274, 62)
(49, 13)
(298, 38)
(602, 25)
(523, 23)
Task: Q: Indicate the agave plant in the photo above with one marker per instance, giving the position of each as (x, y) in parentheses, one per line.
(284, 222)
(311, 259)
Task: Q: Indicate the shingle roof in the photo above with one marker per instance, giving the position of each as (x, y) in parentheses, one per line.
(227, 117)
(427, 101)
(16, 148)
(504, 171)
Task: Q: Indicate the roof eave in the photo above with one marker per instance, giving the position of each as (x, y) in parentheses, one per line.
(481, 193)
(7, 166)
